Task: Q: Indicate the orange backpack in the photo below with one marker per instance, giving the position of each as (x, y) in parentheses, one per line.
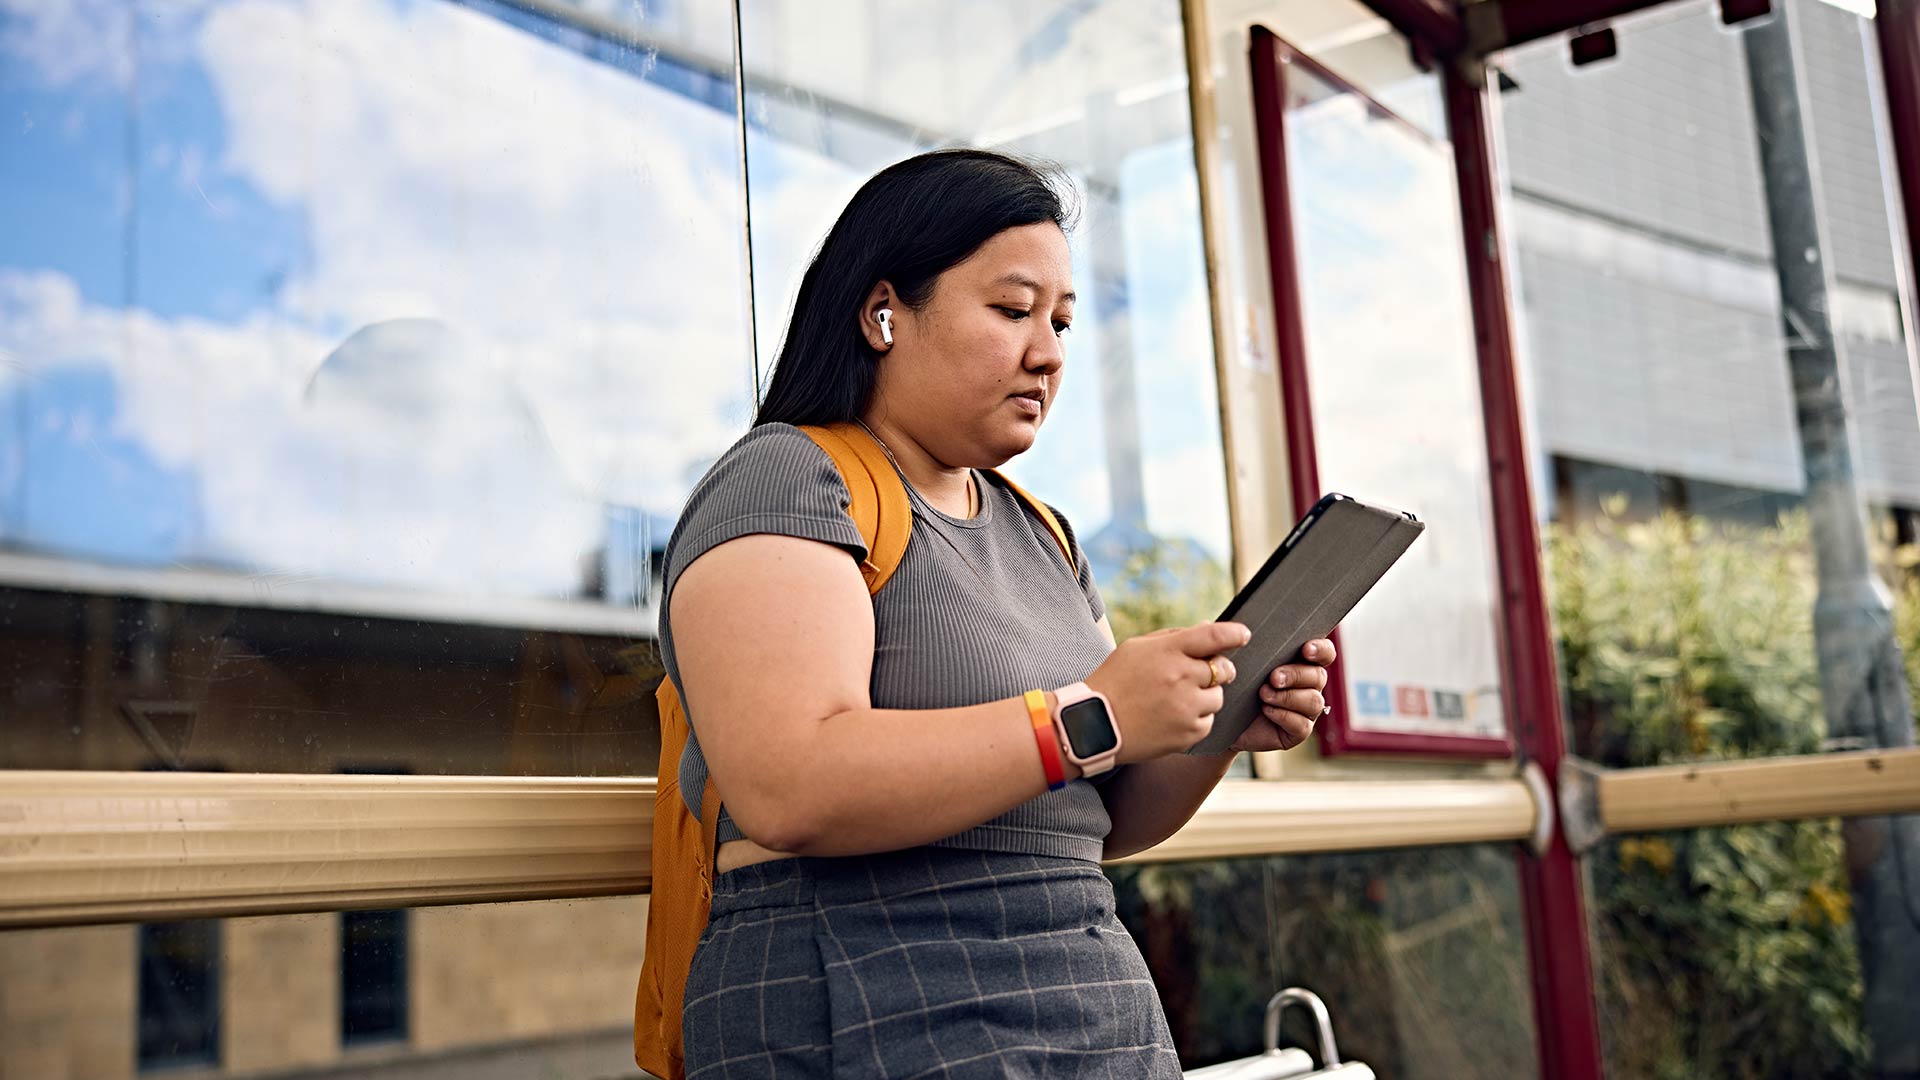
(683, 848)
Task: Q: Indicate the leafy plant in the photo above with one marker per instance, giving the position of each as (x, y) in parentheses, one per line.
(1722, 952)
(1169, 583)
(1417, 953)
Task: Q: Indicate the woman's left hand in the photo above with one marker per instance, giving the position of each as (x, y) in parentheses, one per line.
(1290, 701)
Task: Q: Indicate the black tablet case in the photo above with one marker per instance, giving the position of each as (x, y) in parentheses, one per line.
(1332, 557)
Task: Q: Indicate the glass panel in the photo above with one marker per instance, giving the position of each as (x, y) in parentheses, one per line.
(1722, 583)
(1393, 376)
(99, 682)
(1728, 952)
(498, 990)
(1419, 955)
(1684, 564)
(179, 1007)
(1132, 452)
(373, 976)
(1349, 39)
(358, 358)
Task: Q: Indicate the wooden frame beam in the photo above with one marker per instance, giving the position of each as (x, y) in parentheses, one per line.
(1434, 25)
(93, 847)
(1262, 817)
(1853, 784)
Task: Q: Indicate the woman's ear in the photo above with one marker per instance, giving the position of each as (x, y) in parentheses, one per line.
(877, 317)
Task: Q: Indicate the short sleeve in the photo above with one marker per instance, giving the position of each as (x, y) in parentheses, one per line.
(775, 480)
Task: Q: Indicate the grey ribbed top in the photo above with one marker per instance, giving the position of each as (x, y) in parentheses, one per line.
(980, 609)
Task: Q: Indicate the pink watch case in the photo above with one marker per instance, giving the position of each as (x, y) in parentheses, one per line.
(1084, 716)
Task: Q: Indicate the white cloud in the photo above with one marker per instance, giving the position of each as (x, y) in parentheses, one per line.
(452, 166)
(409, 467)
(101, 46)
(443, 159)
(1397, 411)
(792, 213)
(70, 41)
(572, 233)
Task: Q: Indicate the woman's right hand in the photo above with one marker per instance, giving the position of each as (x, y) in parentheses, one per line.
(1157, 684)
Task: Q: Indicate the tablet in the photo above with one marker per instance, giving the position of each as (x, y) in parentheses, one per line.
(1324, 566)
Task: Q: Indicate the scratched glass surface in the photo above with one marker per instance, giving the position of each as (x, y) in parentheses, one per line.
(1682, 558)
(1393, 377)
(488, 992)
(357, 358)
(1670, 471)
(1418, 953)
(1131, 452)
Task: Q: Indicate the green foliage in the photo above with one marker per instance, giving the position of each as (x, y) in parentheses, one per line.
(1902, 564)
(1168, 584)
(1418, 955)
(1682, 641)
(1722, 952)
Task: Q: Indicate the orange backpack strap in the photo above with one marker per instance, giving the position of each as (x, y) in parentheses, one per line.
(878, 497)
(682, 889)
(681, 896)
(1045, 514)
(879, 505)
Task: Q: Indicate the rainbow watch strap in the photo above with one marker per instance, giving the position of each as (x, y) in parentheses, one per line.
(1043, 735)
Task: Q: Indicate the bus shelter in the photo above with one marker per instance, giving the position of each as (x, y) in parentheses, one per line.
(358, 357)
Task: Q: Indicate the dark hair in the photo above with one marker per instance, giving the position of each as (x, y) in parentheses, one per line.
(907, 225)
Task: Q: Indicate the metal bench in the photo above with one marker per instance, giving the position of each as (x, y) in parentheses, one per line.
(1292, 1062)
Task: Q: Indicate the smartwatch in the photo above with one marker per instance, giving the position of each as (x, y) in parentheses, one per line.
(1083, 720)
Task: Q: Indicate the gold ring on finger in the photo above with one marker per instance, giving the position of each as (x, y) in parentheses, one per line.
(1213, 675)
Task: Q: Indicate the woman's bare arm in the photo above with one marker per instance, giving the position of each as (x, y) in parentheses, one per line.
(774, 640)
(1152, 800)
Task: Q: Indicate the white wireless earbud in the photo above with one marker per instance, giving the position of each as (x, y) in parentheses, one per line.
(885, 318)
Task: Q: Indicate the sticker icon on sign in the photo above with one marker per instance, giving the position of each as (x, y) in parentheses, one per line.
(1373, 699)
(1448, 705)
(1410, 700)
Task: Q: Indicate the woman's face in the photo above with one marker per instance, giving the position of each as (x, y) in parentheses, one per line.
(973, 372)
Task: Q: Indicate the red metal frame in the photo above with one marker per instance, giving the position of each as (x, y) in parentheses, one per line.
(1270, 57)
(1898, 28)
(1566, 1018)
(1535, 19)
(1552, 892)
(1296, 409)
(1437, 28)
(1435, 25)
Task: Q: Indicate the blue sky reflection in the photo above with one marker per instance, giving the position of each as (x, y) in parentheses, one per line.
(207, 204)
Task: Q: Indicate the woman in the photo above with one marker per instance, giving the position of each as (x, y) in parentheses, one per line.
(899, 892)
